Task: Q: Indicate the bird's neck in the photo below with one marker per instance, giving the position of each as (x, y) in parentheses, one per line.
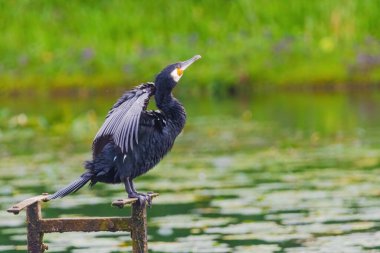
(172, 108)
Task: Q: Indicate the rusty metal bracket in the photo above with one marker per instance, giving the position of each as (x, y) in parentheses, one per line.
(37, 226)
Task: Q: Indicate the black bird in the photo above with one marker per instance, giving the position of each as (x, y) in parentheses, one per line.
(132, 140)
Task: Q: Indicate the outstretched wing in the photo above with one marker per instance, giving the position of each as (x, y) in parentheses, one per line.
(122, 122)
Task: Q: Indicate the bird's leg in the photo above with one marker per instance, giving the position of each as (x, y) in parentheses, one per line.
(146, 196)
(128, 188)
(132, 193)
(132, 185)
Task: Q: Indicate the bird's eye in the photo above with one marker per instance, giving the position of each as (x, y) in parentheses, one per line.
(179, 71)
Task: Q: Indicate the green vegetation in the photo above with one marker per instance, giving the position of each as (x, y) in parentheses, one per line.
(245, 44)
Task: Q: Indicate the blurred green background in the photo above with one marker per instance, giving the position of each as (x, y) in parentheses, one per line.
(245, 44)
(281, 149)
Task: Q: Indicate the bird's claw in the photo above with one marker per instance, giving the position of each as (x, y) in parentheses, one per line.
(148, 199)
(143, 199)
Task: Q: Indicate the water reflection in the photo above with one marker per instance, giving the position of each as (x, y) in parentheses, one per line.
(280, 173)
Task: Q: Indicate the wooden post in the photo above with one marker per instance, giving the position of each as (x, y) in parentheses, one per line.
(37, 226)
(139, 231)
(34, 235)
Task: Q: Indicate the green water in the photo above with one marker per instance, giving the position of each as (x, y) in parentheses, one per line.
(268, 173)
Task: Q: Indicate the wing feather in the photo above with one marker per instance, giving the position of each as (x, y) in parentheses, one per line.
(122, 121)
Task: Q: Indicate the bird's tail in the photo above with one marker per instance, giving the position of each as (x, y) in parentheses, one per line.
(72, 187)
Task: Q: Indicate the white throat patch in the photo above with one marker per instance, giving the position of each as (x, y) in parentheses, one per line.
(175, 76)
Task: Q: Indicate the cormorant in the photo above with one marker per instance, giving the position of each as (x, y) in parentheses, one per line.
(132, 140)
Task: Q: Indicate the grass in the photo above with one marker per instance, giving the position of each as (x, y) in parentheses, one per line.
(245, 44)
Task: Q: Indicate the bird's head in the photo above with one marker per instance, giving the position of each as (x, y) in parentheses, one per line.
(171, 74)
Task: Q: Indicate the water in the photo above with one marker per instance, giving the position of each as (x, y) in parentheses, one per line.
(270, 173)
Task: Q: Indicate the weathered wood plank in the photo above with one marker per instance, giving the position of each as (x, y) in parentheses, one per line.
(15, 209)
(93, 224)
(123, 202)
